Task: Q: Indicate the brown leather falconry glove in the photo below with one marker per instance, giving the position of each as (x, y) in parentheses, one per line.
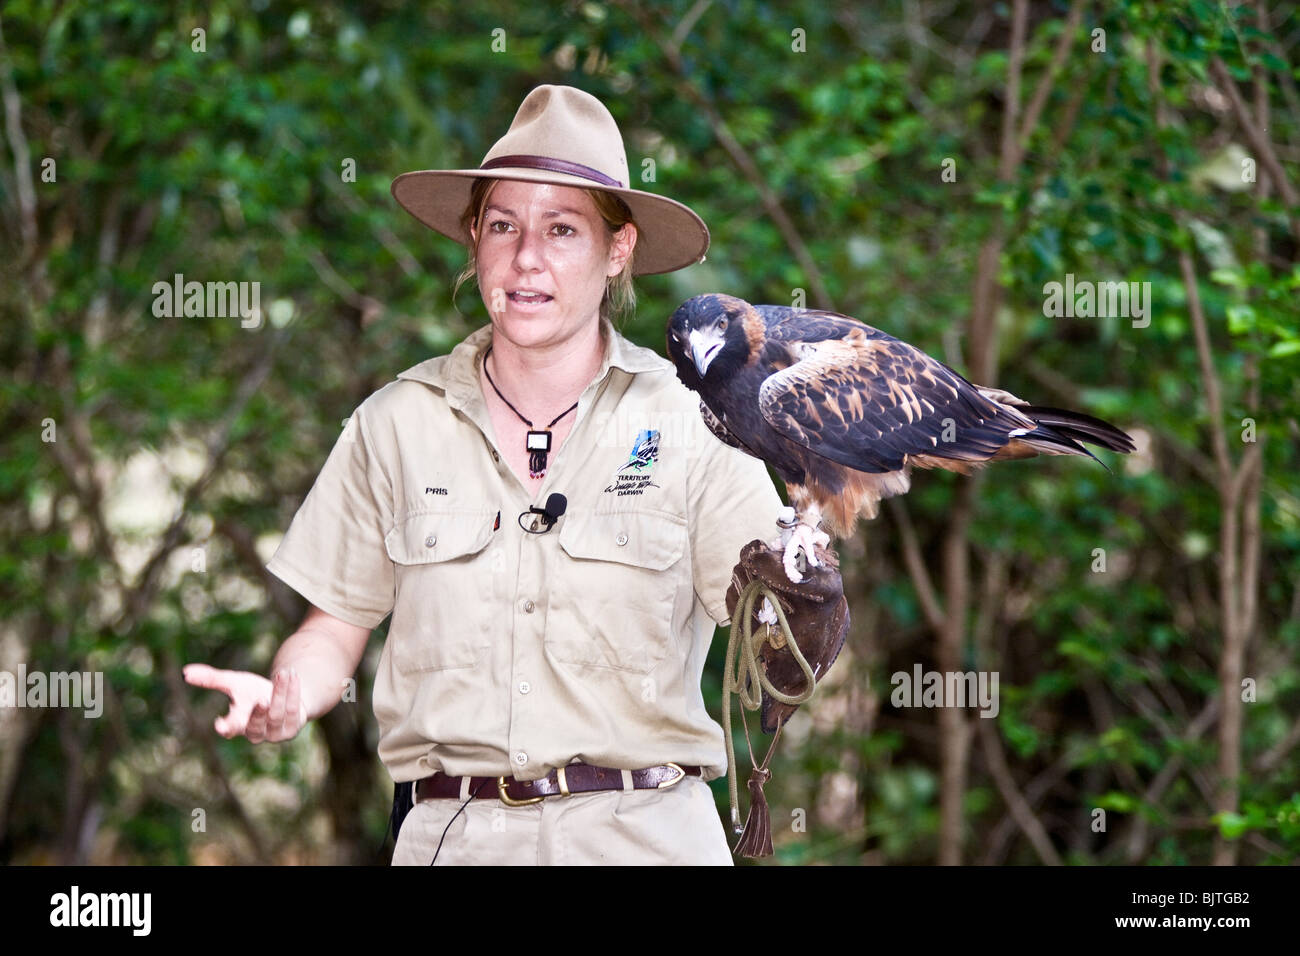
(816, 610)
(818, 617)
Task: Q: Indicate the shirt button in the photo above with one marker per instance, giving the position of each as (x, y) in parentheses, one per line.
(521, 758)
(528, 607)
(430, 541)
(524, 687)
(621, 539)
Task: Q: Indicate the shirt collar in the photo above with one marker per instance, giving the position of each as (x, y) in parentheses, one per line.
(456, 373)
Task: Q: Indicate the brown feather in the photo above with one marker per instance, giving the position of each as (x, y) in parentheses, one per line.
(755, 333)
(859, 498)
(947, 464)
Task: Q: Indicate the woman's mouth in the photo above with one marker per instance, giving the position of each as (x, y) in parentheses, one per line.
(528, 300)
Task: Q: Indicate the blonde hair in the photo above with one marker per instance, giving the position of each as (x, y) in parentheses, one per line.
(619, 299)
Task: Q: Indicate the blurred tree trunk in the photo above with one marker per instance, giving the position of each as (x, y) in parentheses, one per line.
(349, 786)
(1237, 484)
(982, 358)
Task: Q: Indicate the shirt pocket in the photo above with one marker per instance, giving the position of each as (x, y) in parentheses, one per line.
(442, 567)
(623, 576)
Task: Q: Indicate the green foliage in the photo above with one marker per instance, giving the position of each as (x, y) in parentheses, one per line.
(226, 165)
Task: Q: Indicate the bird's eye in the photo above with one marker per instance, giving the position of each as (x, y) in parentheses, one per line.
(722, 325)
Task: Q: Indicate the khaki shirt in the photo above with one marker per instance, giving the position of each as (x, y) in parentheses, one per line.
(510, 652)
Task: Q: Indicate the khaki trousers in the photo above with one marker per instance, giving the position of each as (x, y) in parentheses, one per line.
(676, 826)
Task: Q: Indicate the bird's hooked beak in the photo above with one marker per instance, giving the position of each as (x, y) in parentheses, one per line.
(705, 345)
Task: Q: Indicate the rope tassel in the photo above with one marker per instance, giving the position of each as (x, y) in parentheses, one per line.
(743, 675)
(756, 839)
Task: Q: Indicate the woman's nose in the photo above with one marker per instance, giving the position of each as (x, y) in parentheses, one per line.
(528, 251)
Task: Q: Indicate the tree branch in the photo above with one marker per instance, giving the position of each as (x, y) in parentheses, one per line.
(383, 233)
(202, 734)
(1009, 156)
(1137, 838)
(739, 156)
(138, 598)
(1035, 790)
(1048, 79)
(915, 562)
(18, 146)
(1259, 143)
(1209, 378)
(368, 307)
(1017, 805)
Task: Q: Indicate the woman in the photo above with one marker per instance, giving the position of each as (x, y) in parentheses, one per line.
(540, 684)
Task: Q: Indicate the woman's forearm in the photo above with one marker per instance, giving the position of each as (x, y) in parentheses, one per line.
(325, 665)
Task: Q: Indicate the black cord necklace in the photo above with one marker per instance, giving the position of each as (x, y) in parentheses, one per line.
(538, 441)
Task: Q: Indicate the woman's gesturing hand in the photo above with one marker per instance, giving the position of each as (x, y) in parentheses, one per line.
(259, 709)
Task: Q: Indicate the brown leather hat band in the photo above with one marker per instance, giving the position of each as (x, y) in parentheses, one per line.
(554, 166)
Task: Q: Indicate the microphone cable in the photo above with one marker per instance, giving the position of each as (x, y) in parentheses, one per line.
(453, 819)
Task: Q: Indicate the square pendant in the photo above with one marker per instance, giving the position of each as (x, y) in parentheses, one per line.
(538, 441)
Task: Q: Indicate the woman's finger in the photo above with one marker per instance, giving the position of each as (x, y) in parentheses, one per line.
(255, 730)
(233, 722)
(204, 675)
(275, 713)
(293, 703)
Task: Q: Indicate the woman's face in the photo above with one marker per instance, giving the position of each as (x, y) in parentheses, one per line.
(549, 240)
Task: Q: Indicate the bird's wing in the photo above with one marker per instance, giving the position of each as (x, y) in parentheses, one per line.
(721, 431)
(869, 401)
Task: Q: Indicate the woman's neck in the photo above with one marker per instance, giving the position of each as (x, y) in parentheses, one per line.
(543, 383)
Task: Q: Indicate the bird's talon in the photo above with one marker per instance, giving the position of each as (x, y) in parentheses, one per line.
(793, 573)
(799, 553)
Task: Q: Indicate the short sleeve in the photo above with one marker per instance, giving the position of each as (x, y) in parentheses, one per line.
(733, 501)
(333, 553)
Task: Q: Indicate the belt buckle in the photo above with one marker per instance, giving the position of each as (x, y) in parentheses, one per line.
(676, 780)
(510, 801)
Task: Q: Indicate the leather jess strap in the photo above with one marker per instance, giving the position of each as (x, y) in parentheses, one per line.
(563, 781)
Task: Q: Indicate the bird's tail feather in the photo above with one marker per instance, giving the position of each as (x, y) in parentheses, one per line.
(1079, 427)
(1062, 432)
(1044, 440)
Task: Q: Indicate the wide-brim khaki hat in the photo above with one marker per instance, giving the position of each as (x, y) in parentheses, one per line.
(567, 137)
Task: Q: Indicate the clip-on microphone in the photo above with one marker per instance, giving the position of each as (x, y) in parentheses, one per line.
(555, 506)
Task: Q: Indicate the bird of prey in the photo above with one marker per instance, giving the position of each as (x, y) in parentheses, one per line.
(842, 411)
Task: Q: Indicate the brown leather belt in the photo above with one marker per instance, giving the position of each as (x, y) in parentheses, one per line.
(563, 781)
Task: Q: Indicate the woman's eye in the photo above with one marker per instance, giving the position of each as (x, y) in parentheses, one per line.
(569, 230)
(492, 226)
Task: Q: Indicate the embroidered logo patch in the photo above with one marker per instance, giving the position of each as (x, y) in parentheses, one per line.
(644, 453)
(634, 476)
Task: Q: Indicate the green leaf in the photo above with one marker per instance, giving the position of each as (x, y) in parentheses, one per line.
(1228, 277)
(1231, 825)
(1241, 318)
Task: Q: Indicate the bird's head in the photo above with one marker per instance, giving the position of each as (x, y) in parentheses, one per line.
(711, 333)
